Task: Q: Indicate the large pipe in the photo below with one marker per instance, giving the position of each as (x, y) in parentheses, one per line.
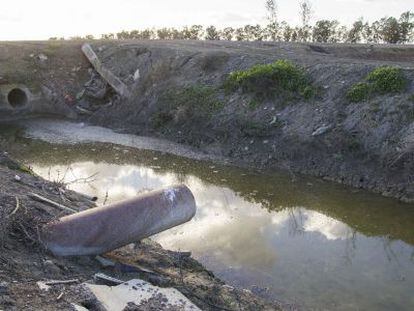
(14, 97)
(102, 229)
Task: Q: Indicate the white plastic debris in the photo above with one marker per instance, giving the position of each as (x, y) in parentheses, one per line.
(136, 75)
(43, 286)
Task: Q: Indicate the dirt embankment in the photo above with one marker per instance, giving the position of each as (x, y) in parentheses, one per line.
(175, 84)
(24, 262)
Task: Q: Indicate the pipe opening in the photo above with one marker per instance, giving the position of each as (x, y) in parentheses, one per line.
(17, 98)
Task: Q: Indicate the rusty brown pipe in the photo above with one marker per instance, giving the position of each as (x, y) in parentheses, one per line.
(102, 229)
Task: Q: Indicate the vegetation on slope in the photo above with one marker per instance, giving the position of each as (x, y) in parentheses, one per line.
(266, 81)
(382, 80)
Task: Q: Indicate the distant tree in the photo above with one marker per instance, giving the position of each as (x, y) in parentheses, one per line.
(305, 11)
(89, 37)
(196, 32)
(406, 26)
(240, 34)
(325, 31)
(257, 32)
(249, 33)
(273, 32)
(164, 34)
(390, 30)
(108, 36)
(123, 35)
(177, 34)
(356, 31)
(146, 34)
(271, 7)
(295, 34)
(227, 33)
(341, 34)
(212, 33)
(286, 31)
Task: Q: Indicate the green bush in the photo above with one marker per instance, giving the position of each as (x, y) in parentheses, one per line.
(387, 79)
(266, 81)
(382, 80)
(359, 92)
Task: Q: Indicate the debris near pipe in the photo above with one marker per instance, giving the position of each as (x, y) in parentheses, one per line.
(105, 73)
(42, 199)
(100, 230)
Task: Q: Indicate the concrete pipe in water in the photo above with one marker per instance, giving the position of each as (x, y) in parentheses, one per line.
(14, 97)
(102, 229)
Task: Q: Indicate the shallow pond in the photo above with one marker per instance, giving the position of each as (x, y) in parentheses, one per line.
(305, 242)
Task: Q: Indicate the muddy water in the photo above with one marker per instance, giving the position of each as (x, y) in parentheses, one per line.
(305, 242)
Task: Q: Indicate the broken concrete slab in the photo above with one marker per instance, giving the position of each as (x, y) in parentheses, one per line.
(106, 74)
(140, 294)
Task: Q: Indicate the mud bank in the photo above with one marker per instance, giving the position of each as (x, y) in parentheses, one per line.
(24, 261)
(367, 144)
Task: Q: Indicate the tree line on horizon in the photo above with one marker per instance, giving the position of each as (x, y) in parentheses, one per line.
(390, 30)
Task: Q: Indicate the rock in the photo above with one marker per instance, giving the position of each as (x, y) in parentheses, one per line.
(17, 178)
(322, 130)
(4, 288)
(50, 267)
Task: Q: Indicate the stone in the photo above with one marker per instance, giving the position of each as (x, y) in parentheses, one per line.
(4, 288)
(322, 130)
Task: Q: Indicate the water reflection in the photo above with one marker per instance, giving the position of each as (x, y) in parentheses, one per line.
(315, 244)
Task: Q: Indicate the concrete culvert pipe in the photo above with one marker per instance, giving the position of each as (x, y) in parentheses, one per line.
(17, 98)
(102, 229)
(14, 96)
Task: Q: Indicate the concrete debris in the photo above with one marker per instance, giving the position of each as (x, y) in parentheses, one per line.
(96, 87)
(42, 57)
(105, 73)
(17, 178)
(141, 295)
(322, 130)
(86, 233)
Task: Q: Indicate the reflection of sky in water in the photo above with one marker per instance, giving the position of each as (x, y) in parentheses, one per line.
(299, 254)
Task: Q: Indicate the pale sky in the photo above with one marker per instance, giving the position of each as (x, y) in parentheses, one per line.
(41, 19)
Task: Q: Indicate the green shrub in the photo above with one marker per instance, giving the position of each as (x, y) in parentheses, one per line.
(266, 81)
(359, 92)
(382, 80)
(387, 79)
(411, 98)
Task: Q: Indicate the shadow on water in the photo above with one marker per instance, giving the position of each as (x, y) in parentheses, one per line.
(300, 239)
